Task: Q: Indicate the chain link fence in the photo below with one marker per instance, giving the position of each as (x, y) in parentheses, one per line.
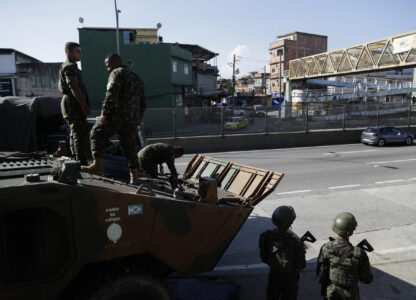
(203, 121)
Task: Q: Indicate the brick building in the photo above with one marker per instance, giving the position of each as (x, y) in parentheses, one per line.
(291, 46)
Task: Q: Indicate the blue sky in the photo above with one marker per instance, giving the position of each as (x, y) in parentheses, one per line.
(40, 28)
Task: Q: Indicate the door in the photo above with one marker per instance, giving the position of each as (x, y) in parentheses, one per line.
(387, 134)
(397, 135)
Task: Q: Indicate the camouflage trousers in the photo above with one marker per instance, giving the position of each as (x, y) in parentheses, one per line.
(334, 292)
(148, 167)
(127, 134)
(79, 137)
(282, 286)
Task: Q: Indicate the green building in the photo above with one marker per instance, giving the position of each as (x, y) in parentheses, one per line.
(165, 69)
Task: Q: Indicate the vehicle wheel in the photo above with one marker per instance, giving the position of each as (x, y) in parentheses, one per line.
(133, 288)
(409, 141)
(381, 143)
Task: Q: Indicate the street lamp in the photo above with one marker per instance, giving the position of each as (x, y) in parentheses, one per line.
(117, 12)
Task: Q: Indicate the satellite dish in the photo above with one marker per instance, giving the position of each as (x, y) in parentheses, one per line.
(81, 20)
(159, 25)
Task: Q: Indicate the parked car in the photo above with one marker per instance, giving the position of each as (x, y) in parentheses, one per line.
(382, 135)
(259, 111)
(211, 117)
(235, 111)
(236, 123)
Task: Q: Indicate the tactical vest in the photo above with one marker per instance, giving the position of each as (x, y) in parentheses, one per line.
(344, 263)
(279, 251)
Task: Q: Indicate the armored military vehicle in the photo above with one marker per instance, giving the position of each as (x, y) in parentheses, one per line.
(66, 234)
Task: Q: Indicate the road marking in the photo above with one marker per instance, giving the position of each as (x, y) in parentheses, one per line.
(241, 267)
(343, 186)
(395, 250)
(349, 152)
(294, 192)
(270, 150)
(390, 161)
(389, 181)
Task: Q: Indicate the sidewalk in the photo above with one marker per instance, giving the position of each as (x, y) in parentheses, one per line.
(386, 218)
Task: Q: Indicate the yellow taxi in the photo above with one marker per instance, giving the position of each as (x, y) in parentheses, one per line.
(236, 123)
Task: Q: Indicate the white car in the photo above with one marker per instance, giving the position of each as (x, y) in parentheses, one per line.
(236, 111)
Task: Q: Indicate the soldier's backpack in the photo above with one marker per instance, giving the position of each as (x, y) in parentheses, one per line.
(278, 251)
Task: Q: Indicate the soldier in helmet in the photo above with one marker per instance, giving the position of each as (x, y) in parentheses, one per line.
(341, 265)
(284, 253)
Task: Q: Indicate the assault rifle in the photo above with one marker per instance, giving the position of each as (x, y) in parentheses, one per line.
(364, 244)
(308, 237)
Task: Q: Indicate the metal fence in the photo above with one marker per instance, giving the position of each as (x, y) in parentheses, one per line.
(202, 121)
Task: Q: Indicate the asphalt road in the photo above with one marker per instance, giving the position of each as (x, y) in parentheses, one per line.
(377, 185)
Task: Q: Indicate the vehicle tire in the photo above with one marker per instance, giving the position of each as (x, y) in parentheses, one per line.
(408, 141)
(133, 288)
(381, 142)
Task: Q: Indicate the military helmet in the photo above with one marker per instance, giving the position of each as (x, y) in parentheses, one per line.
(283, 217)
(344, 224)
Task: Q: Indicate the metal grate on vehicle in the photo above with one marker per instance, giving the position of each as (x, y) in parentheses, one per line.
(13, 167)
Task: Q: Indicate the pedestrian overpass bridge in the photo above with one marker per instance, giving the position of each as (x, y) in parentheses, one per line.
(395, 52)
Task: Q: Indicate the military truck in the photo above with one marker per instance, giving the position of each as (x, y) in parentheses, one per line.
(66, 234)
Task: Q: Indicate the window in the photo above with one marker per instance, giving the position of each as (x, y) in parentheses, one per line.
(186, 69)
(175, 67)
(273, 70)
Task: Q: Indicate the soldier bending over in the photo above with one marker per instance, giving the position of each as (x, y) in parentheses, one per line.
(153, 155)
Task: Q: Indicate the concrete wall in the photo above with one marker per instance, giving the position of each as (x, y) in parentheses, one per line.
(206, 84)
(38, 79)
(262, 141)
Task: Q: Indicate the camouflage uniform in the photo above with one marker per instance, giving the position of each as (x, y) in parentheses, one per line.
(340, 267)
(72, 111)
(153, 155)
(123, 108)
(285, 255)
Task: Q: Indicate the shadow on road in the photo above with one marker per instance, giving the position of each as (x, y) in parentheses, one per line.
(253, 282)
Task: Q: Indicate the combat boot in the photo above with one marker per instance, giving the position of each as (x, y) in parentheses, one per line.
(62, 150)
(133, 176)
(97, 167)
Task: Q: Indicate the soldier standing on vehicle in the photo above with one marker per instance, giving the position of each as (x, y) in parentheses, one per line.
(284, 253)
(341, 265)
(122, 111)
(74, 104)
(153, 155)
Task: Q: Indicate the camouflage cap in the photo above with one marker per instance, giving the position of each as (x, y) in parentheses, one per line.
(344, 224)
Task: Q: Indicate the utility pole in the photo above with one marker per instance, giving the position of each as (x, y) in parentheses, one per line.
(265, 88)
(233, 82)
(118, 41)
